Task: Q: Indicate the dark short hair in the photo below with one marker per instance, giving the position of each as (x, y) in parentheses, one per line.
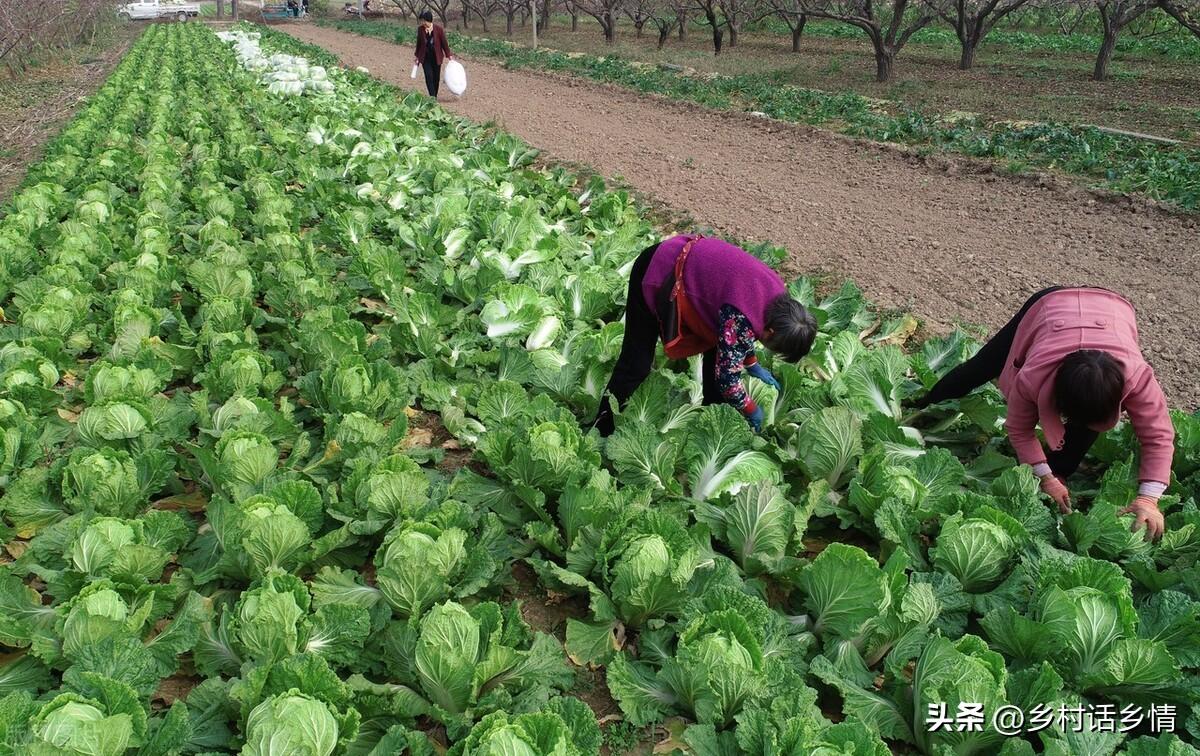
(427, 16)
(793, 328)
(1089, 386)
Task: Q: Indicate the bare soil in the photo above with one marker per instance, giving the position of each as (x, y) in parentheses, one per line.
(34, 107)
(548, 612)
(944, 238)
(1142, 94)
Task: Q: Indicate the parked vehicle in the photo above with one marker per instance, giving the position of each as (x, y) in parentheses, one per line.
(144, 10)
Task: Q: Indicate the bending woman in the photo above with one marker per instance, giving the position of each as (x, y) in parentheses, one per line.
(432, 51)
(1070, 360)
(706, 296)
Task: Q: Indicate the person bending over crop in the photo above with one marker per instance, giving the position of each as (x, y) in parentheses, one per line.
(706, 296)
(432, 51)
(1070, 360)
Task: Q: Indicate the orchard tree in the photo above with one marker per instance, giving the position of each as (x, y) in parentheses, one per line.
(973, 20)
(1115, 15)
(639, 12)
(605, 12)
(736, 13)
(440, 8)
(572, 7)
(483, 9)
(1186, 13)
(792, 14)
(510, 9)
(888, 27)
(683, 11)
(710, 9)
(663, 16)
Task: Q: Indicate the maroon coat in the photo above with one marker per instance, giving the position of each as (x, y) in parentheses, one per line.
(441, 48)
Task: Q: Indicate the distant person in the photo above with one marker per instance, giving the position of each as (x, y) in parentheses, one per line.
(706, 296)
(304, 7)
(432, 52)
(1069, 360)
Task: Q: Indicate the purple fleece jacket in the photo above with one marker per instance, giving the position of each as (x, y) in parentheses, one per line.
(716, 273)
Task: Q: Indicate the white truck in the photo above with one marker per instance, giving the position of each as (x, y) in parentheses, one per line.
(143, 10)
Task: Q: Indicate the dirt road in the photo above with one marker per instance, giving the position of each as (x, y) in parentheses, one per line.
(949, 244)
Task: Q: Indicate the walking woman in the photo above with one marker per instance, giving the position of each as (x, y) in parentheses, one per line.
(432, 52)
(1069, 360)
(706, 296)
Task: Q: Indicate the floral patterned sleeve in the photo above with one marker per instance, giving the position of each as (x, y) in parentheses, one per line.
(735, 351)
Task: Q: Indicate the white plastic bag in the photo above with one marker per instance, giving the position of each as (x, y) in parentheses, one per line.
(414, 72)
(455, 77)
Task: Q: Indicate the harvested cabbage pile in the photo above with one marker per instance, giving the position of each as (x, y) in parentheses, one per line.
(283, 74)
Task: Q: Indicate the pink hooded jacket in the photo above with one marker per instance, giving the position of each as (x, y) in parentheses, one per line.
(1063, 322)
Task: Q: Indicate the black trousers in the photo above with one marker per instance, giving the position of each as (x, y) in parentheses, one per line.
(433, 74)
(986, 365)
(637, 351)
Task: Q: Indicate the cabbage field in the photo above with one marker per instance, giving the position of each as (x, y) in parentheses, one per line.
(293, 373)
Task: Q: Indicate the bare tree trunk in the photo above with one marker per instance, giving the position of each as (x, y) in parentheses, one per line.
(967, 59)
(717, 34)
(220, 8)
(574, 22)
(610, 31)
(885, 59)
(508, 23)
(637, 28)
(798, 32)
(733, 35)
(1109, 43)
(682, 27)
(664, 31)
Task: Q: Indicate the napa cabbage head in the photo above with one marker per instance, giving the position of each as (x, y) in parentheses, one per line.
(291, 723)
(103, 480)
(97, 613)
(979, 552)
(72, 724)
(650, 577)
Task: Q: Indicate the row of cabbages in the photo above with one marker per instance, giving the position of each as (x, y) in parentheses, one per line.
(284, 74)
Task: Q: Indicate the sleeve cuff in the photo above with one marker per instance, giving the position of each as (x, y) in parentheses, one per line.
(749, 407)
(751, 359)
(1151, 488)
(1041, 469)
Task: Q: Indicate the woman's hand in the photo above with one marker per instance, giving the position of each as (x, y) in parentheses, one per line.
(764, 375)
(1057, 490)
(1146, 512)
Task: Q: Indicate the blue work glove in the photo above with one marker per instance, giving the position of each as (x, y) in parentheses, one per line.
(764, 375)
(756, 418)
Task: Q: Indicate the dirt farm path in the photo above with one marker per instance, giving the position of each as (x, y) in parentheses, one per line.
(948, 243)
